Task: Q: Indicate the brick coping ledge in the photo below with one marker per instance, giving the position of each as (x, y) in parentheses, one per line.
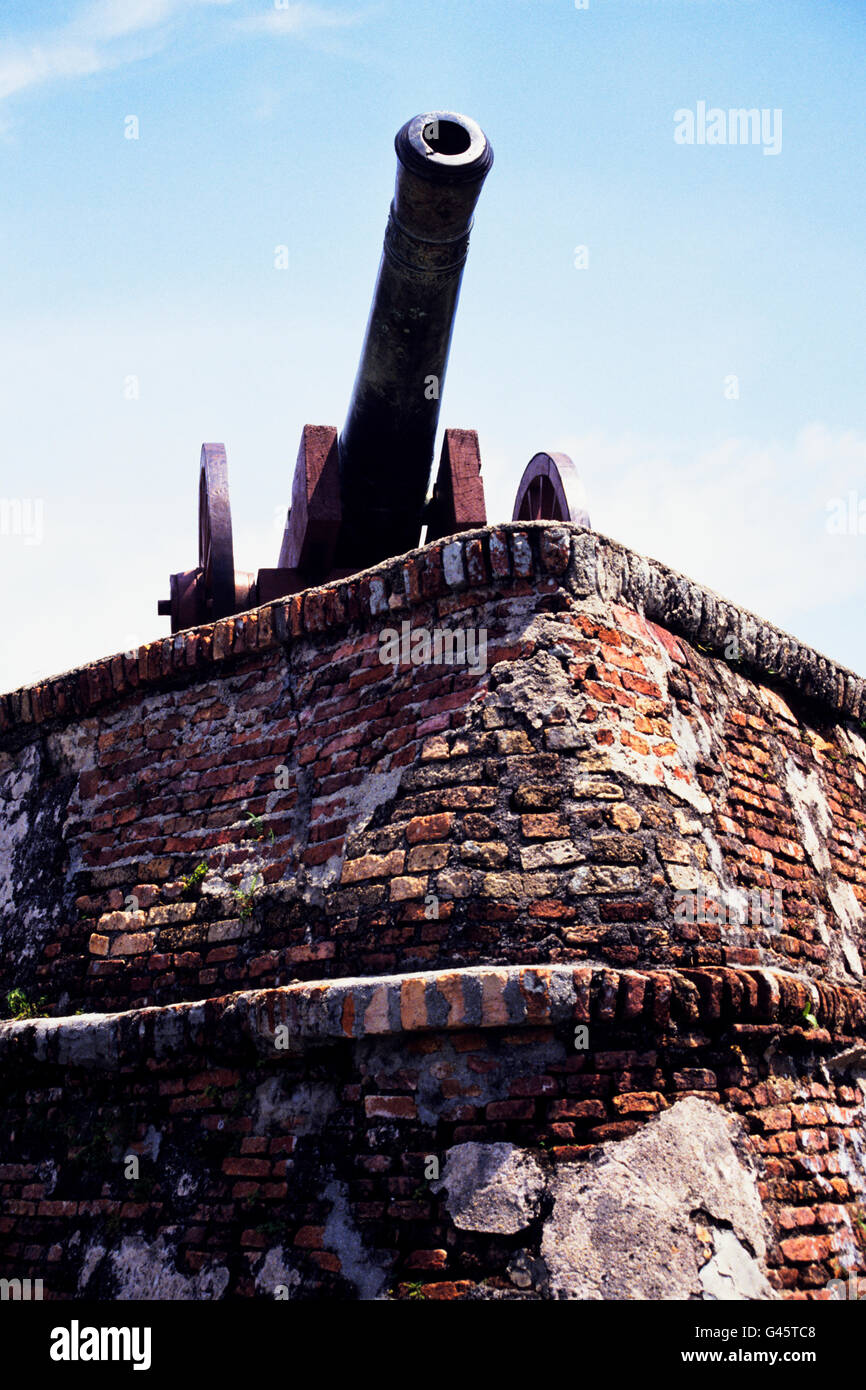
(584, 563)
(751, 1003)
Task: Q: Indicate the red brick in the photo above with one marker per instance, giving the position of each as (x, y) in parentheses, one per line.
(246, 1167)
(424, 828)
(427, 1259)
(326, 1260)
(775, 1118)
(390, 1107)
(511, 1110)
(311, 1237)
(805, 1249)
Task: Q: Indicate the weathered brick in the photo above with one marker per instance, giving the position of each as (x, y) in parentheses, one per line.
(390, 1107)
(424, 828)
(373, 866)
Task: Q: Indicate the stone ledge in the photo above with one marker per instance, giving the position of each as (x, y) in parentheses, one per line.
(752, 1003)
(583, 562)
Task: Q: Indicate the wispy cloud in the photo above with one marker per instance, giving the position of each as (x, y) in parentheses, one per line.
(109, 34)
(293, 19)
(113, 19)
(747, 518)
(105, 34)
(33, 64)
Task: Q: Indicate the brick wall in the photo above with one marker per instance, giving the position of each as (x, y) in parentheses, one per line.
(552, 805)
(246, 1151)
(642, 779)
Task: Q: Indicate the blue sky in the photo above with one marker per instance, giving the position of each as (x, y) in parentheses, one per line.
(262, 126)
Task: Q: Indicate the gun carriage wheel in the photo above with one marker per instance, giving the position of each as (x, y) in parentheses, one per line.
(216, 558)
(213, 590)
(551, 490)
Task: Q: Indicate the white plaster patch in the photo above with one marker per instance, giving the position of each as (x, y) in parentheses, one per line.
(852, 1166)
(809, 805)
(855, 745)
(358, 805)
(304, 1109)
(15, 786)
(694, 742)
(92, 1256)
(185, 1185)
(47, 1173)
(691, 746)
(71, 748)
(732, 1273)
(357, 1265)
(147, 1271)
(274, 1273)
(773, 700)
(151, 1142)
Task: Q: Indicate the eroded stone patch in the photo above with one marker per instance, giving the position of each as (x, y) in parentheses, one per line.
(491, 1187)
(627, 1226)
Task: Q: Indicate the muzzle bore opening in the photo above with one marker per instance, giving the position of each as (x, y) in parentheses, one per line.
(446, 137)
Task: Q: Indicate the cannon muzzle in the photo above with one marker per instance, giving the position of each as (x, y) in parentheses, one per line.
(386, 445)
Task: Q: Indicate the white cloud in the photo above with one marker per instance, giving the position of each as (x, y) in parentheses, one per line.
(746, 518)
(105, 34)
(295, 19)
(111, 19)
(32, 65)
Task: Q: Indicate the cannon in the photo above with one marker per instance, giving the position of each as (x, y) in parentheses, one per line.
(361, 496)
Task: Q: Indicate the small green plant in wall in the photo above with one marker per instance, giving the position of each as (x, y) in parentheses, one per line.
(192, 882)
(809, 1018)
(257, 826)
(20, 1007)
(246, 898)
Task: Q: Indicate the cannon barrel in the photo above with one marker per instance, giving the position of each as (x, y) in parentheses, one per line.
(386, 445)
(361, 497)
